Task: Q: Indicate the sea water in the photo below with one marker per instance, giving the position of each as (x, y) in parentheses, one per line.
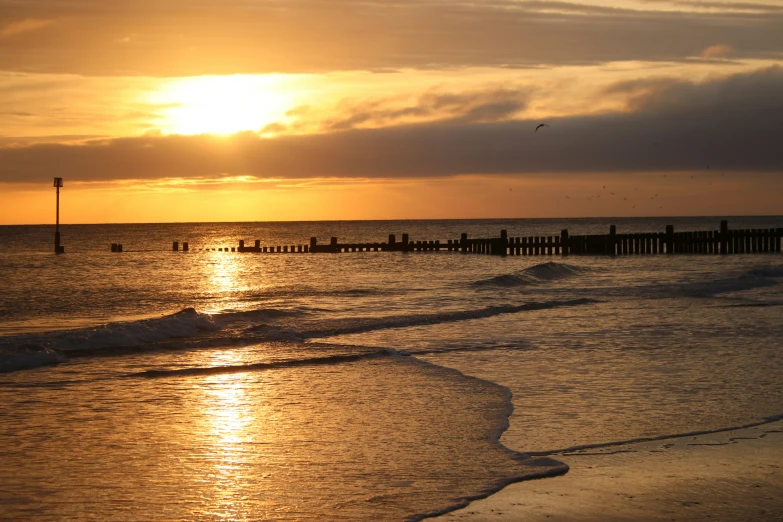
(215, 385)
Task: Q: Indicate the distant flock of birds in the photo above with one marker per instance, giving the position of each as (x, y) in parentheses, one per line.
(598, 196)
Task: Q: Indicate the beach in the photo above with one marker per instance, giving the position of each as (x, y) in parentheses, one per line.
(727, 476)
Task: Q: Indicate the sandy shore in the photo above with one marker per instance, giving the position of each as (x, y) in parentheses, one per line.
(729, 476)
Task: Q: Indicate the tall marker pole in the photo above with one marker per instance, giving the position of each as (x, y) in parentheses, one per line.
(58, 182)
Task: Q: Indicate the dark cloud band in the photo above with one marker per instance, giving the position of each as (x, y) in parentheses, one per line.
(727, 124)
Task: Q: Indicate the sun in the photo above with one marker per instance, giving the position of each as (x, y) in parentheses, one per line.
(221, 104)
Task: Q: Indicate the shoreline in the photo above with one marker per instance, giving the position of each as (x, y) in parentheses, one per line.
(732, 475)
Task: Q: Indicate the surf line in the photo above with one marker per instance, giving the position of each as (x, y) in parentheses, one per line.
(766, 420)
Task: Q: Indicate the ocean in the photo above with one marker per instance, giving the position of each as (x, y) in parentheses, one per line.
(214, 385)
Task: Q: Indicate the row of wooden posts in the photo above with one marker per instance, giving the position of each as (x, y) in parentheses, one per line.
(722, 241)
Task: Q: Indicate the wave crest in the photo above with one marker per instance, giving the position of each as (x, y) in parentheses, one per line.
(533, 275)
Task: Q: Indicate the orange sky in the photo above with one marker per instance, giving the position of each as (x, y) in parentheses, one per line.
(237, 110)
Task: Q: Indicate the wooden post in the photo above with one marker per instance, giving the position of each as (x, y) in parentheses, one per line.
(406, 243)
(463, 239)
(58, 248)
(669, 239)
(241, 245)
(564, 245)
(258, 243)
(612, 240)
(333, 246)
(503, 243)
(313, 244)
(175, 246)
(119, 247)
(186, 247)
(114, 247)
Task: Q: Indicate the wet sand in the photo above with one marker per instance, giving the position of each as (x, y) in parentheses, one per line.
(729, 476)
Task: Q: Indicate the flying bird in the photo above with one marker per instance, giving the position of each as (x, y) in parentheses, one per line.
(540, 125)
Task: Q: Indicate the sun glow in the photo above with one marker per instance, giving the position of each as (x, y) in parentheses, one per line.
(222, 104)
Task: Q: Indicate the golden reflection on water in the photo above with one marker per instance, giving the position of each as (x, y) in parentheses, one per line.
(230, 416)
(224, 271)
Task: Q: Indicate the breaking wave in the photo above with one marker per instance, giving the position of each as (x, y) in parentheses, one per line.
(533, 275)
(190, 329)
(27, 357)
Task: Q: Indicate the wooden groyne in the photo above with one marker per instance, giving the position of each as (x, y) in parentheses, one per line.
(722, 241)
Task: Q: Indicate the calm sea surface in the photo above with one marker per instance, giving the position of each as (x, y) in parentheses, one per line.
(359, 386)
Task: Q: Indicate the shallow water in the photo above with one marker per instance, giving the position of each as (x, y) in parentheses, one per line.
(214, 385)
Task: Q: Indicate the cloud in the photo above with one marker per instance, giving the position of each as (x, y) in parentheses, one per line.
(717, 52)
(487, 105)
(187, 37)
(23, 26)
(720, 6)
(726, 123)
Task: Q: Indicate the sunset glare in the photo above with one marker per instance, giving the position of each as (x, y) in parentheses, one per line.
(221, 104)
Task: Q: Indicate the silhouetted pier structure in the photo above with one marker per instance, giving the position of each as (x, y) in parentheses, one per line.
(722, 241)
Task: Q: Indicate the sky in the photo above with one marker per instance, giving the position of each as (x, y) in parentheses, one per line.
(258, 110)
